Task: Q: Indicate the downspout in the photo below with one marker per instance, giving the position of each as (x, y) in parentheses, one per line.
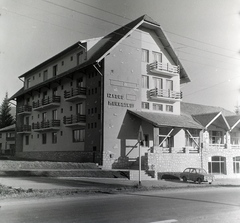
(101, 116)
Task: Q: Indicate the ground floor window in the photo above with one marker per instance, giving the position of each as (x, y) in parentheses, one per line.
(236, 164)
(44, 138)
(78, 135)
(54, 137)
(217, 165)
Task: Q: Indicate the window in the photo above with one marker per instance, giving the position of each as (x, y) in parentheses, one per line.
(27, 140)
(54, 92)
(80, 82)
(145, 81)
(167, 143)
(78, 135)
(169, 108)
(79, 109)
(44, 117)
(192, 139)
(236, 164)
(54, 114)
(217, 165)
(145, 105)
(235, 138)
(62, 62)
(158, 83)
(169, 85)
(28, 83)
(54, 137)
(216, 137)
(157, 56)
(44, 138)
(157, 107)
(45, 75)
(55, 71)
(80, 58)
(145, 55)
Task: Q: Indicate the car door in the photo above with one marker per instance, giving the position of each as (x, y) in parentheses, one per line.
(193, 175)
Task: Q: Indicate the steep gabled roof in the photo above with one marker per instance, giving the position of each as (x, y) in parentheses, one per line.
(233, 121)
(215, 118)
(106, 44)
(159, 119)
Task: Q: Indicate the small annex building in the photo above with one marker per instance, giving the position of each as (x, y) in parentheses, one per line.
(87, 103)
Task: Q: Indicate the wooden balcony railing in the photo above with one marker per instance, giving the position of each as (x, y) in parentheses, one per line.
(163, 93)
(157, 66)
(47, 101)
(46, 124)
(75, 92)
(24, 128)
(73, 119)
(24, 108)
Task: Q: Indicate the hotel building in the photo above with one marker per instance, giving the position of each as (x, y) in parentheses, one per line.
(87, 104)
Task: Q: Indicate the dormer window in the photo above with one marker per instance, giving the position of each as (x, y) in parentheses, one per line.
(55, 71)
(28, 83)
(45, 75)
(80, 58)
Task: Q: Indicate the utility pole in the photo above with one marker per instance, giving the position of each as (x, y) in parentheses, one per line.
(140, 140)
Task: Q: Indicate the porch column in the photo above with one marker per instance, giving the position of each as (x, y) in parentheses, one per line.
(155, 136)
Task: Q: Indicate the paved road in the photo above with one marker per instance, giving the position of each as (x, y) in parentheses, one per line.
(185, 205)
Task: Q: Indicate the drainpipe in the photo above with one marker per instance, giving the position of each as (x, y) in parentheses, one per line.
(101, 117)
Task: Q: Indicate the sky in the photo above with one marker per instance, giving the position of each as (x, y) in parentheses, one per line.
(205, 35)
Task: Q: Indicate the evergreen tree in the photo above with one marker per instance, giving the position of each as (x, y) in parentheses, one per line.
(6, 118)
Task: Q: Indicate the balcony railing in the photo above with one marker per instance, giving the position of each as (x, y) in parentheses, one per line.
(24, 129)
(10, 138)
(165, 68)
(48, 102)
(165, 94)
(24, 109)
(75, 94)
(46, 125)
(75, 120)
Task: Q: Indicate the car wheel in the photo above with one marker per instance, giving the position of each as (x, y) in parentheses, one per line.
(199, 180)
(184, 179)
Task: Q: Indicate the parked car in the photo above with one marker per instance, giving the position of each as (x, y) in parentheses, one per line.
(197, 175)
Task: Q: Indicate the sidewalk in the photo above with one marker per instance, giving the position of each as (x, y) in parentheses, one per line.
(46, 183)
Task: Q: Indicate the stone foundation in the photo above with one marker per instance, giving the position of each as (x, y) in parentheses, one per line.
(81, 157)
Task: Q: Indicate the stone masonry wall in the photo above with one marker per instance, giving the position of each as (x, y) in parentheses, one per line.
(74, 156)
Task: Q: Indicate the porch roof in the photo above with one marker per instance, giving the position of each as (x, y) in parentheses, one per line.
(233, 121)
(217, 119)
(159, 119)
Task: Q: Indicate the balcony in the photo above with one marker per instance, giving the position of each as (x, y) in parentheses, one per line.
(46, 126)
(47, 103)
(10, 138)
(166, 69)
(74, 121)
(165, 95)
(24, 129)
(24, 110)
(76, 94)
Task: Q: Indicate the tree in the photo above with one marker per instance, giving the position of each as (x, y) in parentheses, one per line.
(6, 118)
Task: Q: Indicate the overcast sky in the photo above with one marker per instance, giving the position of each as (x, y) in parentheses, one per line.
(204, 33)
